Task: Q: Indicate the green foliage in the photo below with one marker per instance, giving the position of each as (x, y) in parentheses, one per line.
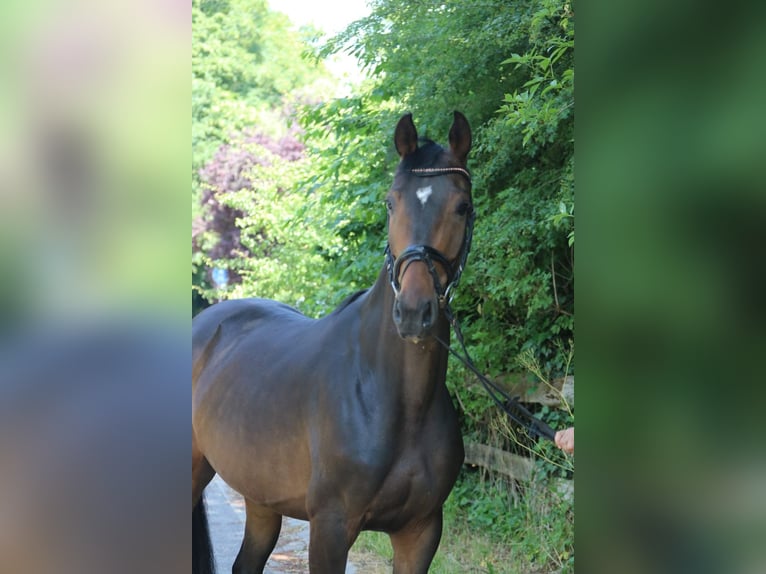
(521, 284)
(248, 69)
(546, 98)
(434, 57)
(542, 529)
(532, 520)
(246, 65)
(511, 72)
(286, 248)
(485, 504)
(497, 526)
(353, 164)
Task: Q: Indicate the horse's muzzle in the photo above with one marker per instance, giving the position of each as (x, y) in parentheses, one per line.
(416, 320)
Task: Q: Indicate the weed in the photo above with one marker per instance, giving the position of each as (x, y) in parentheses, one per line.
(492, 526)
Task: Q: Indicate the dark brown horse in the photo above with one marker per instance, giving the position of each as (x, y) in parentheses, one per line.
(344, 421)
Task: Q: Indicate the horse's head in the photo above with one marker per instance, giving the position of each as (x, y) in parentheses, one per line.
(430, 222)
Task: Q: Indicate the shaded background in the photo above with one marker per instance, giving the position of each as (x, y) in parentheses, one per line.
(672, 219)
(94, 328)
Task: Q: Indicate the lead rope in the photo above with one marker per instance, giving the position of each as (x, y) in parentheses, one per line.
(508, 404)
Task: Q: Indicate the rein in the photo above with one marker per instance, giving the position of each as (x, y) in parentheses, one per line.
(509, 405)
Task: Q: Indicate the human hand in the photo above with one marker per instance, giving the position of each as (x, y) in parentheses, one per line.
(565, 440)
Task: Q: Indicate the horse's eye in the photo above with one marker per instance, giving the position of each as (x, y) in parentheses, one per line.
(464, 208)
(389, 206)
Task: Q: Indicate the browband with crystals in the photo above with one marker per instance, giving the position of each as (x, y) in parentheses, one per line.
(428, 171)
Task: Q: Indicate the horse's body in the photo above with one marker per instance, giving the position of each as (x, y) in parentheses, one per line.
(344, 421)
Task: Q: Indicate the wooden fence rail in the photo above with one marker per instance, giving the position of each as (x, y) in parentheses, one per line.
(515, 466)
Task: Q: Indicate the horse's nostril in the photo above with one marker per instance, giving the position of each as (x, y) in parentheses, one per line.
(397, 312)
(427, 315)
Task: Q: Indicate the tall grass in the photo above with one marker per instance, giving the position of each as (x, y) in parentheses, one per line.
(494, 526)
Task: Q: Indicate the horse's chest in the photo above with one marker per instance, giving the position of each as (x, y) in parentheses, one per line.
(415, 486)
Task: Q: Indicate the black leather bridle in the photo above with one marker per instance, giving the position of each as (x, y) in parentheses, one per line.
(429, 255)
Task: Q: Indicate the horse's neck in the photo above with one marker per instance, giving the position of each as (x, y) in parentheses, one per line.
(417, 368)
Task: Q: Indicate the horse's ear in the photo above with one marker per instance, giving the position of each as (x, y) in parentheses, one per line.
(405, 136)
(460, 137)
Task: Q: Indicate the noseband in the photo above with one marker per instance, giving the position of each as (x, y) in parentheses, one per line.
(429, 255)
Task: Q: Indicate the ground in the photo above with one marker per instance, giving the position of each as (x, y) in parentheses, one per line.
(226, 515)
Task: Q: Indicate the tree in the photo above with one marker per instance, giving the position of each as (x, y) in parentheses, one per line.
(511, 71)
(249, 69)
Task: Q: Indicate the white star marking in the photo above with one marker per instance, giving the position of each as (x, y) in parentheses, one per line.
(423, 194)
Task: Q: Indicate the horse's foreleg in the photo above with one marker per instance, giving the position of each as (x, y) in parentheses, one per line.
(331, 536)
(416, 544)
(262, 528)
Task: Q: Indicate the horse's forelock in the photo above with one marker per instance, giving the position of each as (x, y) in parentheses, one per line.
(428, 154)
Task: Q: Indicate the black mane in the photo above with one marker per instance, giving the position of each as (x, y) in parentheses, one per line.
(348, 300)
